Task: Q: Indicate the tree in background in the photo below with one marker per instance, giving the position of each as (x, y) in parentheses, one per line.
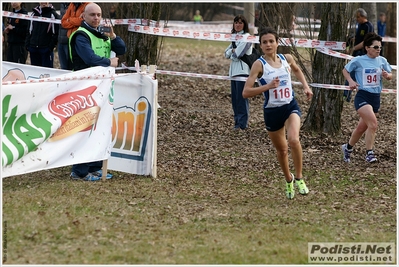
(372, 14)
(279, 16)
(143, 47)
(325, 110)
(391, 47)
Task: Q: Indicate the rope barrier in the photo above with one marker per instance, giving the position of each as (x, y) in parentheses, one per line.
(220, 77)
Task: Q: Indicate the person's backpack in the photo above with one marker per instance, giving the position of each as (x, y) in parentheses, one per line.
(249, 59)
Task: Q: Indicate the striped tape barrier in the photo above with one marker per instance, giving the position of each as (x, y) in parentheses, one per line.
(65, 78)
(134, 25)
(154, 23)
(226, 28)
(57, 21)
(221, 77)
(168, 32)
(340, 55)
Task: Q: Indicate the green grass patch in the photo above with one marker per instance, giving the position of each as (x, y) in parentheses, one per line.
(219, 197)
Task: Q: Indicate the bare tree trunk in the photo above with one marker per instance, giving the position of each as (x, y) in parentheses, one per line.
(280, 17)
(390, 48)
(249, 14)
(143, 47)
(371, 9)
(324, 114)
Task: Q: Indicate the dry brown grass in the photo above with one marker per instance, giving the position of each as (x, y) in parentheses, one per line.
(219, 195)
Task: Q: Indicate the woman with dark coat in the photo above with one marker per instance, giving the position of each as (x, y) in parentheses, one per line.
(16, 31)
(43, 36)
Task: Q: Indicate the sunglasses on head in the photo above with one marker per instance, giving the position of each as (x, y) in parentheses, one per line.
(376, 47)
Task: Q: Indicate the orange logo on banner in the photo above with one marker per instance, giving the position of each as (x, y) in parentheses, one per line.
(77, 110)
(77, 123)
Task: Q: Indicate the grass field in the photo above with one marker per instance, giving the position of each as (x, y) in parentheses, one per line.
(219, 195)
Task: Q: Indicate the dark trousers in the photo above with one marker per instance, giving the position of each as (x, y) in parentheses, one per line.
(240, 104)
(17, 53)
(82, 169)
(63, 56)
(41, 57)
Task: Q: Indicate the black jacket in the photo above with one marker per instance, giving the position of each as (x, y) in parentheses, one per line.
(18, 34)
(43, 34)
(62, 34)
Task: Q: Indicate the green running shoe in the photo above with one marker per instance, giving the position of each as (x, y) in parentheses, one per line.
(302, 188)
(290, 191)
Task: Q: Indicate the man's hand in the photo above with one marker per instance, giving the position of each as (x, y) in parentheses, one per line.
(114, 62)
(110, 34)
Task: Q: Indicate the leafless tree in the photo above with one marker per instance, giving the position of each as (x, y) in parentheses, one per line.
(324, 114)
(143, 47)
(390, 47)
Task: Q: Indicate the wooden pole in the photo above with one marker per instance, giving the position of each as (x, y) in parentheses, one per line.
(105, 170)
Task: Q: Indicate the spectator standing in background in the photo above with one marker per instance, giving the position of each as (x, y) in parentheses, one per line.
(363, 27)
(112, 12)
(63, 41)
(239, 69)
(43, 36)
(16, 31)
(197, 17)
(73, 17)
(382, 27)
(88, 48)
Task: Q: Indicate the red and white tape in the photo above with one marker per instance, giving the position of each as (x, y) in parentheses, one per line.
(220, 77)
(226, 28)
(230, 37)
(66, 78)
(138, 25)
(340, 55)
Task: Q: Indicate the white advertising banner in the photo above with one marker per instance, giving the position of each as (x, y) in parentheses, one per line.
(53, 118)
(134, 125)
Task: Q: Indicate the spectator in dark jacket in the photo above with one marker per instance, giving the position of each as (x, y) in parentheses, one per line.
(89, 47)
(43, 36)
(63, 41)
(16, 31)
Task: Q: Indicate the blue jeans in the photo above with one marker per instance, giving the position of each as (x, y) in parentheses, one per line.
(240, 104)
(41, 57)
(82, 169)
(63, 56)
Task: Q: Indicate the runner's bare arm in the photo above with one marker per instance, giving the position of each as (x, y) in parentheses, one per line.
(256, 71)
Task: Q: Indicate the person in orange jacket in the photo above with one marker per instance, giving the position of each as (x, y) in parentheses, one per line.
(73, 17)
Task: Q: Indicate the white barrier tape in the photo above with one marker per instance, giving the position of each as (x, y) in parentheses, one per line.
(57, 21)
(388, 39)
(153, 23)
(226, 28)
(333, 53)
(70, 78)
(344, 87)
(220, 77)
(231, 37)
(314, 43)
(341, 55)
(28, 17)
